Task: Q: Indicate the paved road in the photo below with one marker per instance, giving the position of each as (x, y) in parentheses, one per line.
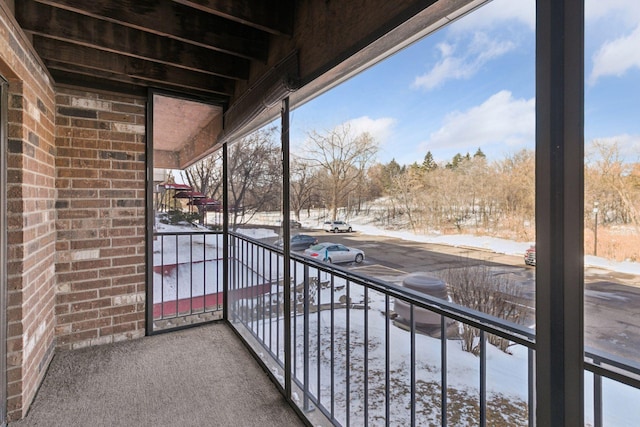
(612, 300)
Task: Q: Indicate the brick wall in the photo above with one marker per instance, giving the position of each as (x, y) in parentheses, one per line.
(75, 217)
(30, 217)
(100, 265)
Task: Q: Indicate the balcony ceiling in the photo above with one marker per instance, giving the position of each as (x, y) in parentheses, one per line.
(197, 47)
(239, 56)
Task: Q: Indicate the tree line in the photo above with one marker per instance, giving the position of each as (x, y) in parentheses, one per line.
(336, 171)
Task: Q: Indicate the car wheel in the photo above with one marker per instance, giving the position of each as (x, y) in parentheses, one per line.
(359, 258)
(335, 230)
(349, 230)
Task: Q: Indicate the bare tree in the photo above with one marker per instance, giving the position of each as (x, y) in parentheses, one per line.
(516, 178)
(405, 185)
(610, 181)
(205, 177)
(476, 287)
(344, 157)
(254, 173)
(303, 182)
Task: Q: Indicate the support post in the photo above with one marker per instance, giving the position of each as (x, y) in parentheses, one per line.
(286, 240)
(559, 213)
(225, 234)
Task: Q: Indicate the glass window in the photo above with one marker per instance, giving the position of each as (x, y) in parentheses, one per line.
(428, 157)
(612, 203)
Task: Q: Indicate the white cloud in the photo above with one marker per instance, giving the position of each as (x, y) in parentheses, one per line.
(628, 146)
(380, 129)
(501, 119)
(616, 57)
(480, 50)
(496, 13)
(627, 11)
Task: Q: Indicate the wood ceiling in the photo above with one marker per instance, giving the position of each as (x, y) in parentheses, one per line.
(197, 47)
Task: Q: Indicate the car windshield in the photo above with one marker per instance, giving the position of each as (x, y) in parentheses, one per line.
(317, 247)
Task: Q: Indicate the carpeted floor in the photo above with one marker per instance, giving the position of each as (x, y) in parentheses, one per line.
(197, 377)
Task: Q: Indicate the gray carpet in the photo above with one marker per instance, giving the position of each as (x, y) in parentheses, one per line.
(196, 377)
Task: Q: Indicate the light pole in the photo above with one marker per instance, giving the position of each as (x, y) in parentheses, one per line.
(595, 229)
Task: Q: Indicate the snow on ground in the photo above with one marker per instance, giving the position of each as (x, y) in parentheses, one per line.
(506, 373)
(365, 224)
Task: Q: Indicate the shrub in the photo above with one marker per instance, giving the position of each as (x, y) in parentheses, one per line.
(177, 216)
(476, 287)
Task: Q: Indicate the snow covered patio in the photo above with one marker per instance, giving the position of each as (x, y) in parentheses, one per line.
(199, 376)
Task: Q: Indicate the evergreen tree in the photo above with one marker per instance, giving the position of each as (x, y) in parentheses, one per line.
(455, 162)
(428, 163)
(479, 154)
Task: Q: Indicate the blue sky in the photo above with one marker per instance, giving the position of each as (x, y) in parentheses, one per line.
(471, 85)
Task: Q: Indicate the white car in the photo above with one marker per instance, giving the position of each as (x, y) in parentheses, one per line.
(334, 253)
(337, 226)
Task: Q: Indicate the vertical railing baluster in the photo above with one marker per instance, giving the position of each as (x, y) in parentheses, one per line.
(333, 382)
(412, 321)
(270, 302)
(253, 282)
(235, 272)
(597, 398)
(162, 277)
(248, 294)
(240, 279)
(318, 349)
(366, 356)
(348, 354)
(443, 370)
(204, 272)
(294, 347)
(264, 303)
(243, 281)
(387, 360)
(531, 373)
(177, 276)
(246, 290)
(218, 258)
(191, 274)
(278, 304)
(483, 379)
(306, 339)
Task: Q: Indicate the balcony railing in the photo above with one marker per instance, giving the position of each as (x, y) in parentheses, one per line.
(186, 279)
(352, 363)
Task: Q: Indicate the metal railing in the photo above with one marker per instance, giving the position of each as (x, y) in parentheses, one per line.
(352, 363)
(187, 271)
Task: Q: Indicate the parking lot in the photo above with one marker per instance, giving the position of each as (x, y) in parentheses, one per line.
(612, 299)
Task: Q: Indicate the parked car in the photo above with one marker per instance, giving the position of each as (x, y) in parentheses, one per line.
(337, 226)
(530, 255)
(300, 242)
(334, 253)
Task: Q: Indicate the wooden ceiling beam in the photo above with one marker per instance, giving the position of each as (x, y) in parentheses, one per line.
(81, 80)
(69, 75)
(39, 19)
(169, 19)
(63, 55)
(272, 16)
